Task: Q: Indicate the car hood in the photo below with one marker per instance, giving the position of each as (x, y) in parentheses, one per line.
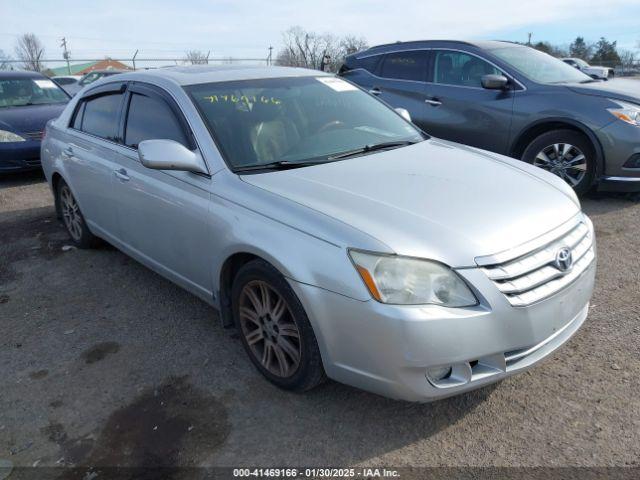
(31, 118)
(434, 199)
(621, 88)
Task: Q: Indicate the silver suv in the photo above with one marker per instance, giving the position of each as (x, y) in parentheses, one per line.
(339, 239)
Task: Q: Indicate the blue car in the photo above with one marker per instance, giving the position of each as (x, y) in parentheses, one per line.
(28, 100)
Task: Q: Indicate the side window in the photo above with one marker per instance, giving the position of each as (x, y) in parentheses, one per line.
(77, 119)
(101, 116)
(369, 63)
(405, 65)
(462, 69)
(150, 118)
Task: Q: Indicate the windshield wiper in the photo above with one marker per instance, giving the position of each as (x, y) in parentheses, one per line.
(371, 148)
(280, 165)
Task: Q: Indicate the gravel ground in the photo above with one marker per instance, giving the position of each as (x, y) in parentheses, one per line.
(103, 362)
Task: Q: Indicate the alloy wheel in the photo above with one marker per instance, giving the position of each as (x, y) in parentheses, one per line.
(564, 160)
(269, 328)
(71, 213)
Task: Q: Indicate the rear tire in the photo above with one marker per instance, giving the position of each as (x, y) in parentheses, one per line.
(72, 218)
(566, 153)
(274, 328)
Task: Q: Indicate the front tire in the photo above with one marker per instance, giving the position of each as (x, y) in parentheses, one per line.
(274, 328)
(566, 153)
(73, 219)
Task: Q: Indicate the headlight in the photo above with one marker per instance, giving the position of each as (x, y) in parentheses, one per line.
(10, 137)
(410, 281)
(628, 112)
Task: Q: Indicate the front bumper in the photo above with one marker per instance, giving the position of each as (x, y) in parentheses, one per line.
(387, 349)
(620, 141)
(19, 156)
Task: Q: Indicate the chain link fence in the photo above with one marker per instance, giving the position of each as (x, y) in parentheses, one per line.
(134, 63)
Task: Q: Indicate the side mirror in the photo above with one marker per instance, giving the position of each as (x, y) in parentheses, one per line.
(404, 113)
(169, 155)
(494, 82)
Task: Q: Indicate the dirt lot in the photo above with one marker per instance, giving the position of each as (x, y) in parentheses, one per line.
(104, 362)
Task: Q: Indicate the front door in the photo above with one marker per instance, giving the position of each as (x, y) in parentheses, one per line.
(459, 109)
(163, 215)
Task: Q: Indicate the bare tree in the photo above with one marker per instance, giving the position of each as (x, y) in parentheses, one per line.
(352, 44)
(4, 60)
(628, 60)
(196, 57)
(29, 50)
(307, 49)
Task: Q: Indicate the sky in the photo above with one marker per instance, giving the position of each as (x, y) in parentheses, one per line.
(246, 28)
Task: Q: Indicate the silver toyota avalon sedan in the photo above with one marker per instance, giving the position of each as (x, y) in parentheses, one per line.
(339, 239)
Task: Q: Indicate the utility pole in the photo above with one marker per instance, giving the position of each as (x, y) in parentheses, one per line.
(65, 54)
(270, 58)
(530, 34)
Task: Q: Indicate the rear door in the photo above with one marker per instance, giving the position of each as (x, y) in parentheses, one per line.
(458, 108)
(400, 81)
(162, 215)
(89, 155)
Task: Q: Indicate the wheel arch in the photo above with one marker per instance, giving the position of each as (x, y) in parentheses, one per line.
(534, 130)
(227, 272)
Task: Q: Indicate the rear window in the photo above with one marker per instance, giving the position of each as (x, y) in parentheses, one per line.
(405, 65)
(101, 115)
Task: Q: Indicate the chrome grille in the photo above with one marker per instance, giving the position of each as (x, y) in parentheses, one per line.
(534, 276)
(34, 135)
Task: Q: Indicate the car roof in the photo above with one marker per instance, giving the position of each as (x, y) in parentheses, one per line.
(197, 74)
(16, 74)
(482, 44)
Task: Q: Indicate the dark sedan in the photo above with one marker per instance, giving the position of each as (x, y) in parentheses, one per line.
(28, 100)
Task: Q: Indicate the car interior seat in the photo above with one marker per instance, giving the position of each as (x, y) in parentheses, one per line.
(273, 134)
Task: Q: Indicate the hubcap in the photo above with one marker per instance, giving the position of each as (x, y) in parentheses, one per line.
(70, 213)
(269, 329)
(564, 160)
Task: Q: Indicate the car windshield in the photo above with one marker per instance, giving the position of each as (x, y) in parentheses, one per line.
(20, 92)
(580, 62)
(296, 120)
(538, 66)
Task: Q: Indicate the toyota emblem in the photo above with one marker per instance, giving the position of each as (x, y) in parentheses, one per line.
(564, 259)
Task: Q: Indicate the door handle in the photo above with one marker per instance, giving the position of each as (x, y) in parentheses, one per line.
(375, 91)
(433, 102)
(121, 175)
(67, 152)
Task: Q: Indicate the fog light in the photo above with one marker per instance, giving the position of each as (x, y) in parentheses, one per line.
(438, 373)
(633, 162)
